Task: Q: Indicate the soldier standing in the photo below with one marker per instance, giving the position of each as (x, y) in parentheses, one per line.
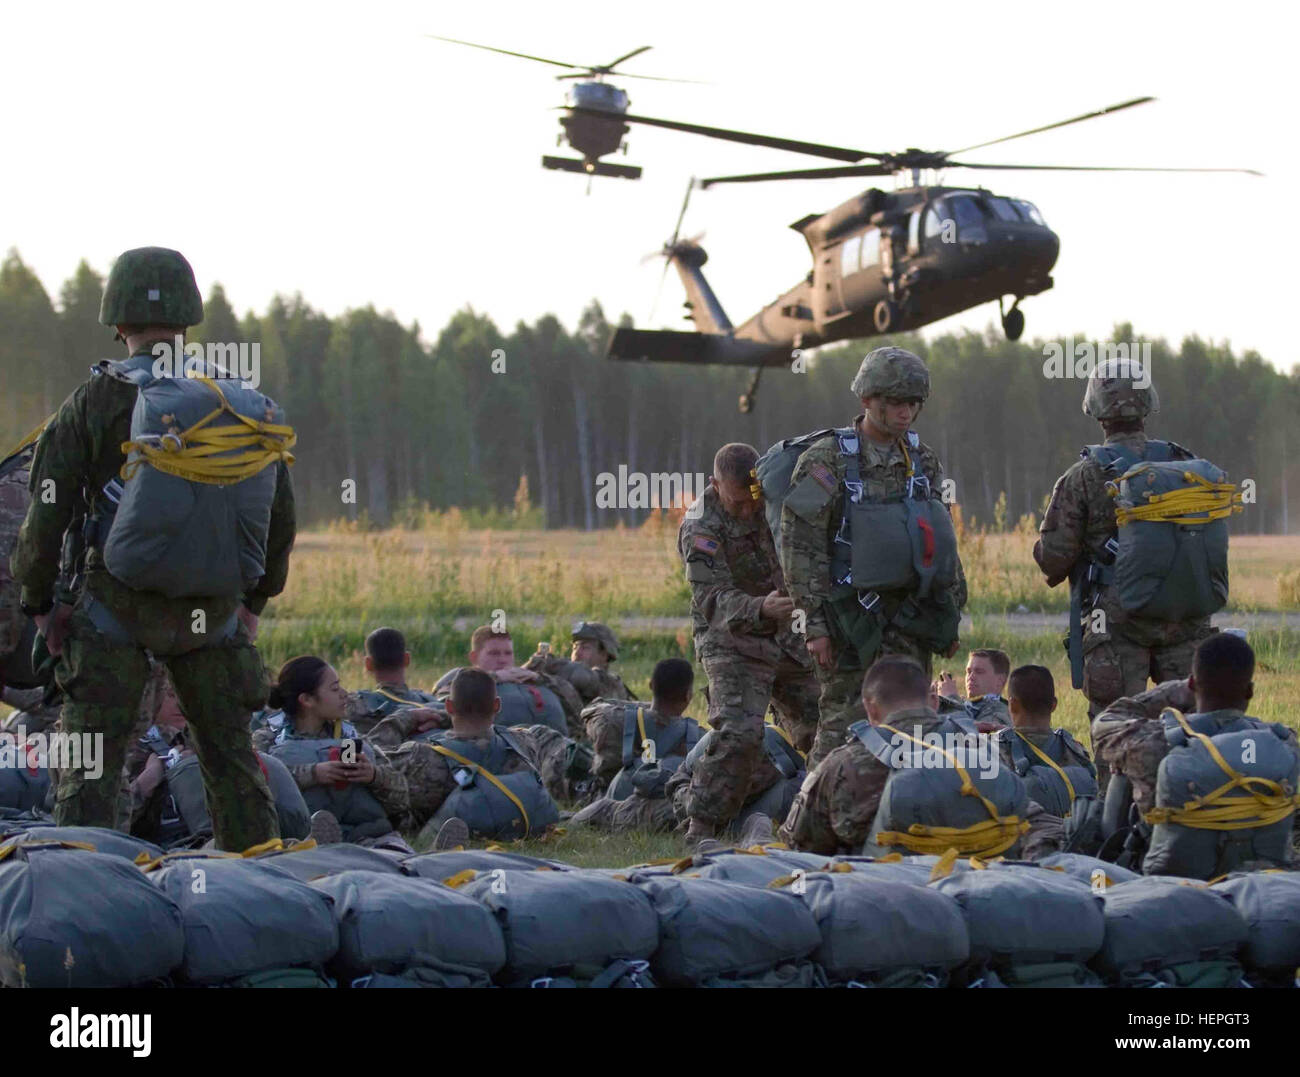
(1078, 541)
(206, 642)
(867, 544)
(743, 637)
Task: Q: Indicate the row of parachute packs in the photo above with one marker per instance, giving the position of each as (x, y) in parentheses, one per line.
(82, 907)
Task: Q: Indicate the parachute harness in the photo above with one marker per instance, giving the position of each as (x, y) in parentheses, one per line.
(474, 768)
(1049, 761)
(1265, 801)
(1198, 503)
(988, 838)
(212, 454)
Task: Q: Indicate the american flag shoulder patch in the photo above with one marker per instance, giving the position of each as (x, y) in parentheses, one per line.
(706, 545)
(821, 475)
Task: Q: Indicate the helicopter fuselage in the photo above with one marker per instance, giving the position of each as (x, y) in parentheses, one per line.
(595, 136)
(926, 253)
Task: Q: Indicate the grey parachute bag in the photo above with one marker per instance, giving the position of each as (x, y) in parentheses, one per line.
(775, 468)
(1172, 562)
(185, 786)
(198, 484)
(1269, 902)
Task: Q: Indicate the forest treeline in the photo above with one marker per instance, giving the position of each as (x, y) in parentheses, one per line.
(462, 420)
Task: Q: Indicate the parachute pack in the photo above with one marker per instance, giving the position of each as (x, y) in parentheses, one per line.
(492, 802)
(652, 751)
(194, 510)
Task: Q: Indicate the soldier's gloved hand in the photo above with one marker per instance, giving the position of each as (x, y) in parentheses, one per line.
(820, 649)
(54, 627)
(514, 675)
(776, 606)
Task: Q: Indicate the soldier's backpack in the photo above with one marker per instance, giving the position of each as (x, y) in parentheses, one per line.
(1028, 926)
(359, 814)
(197, 487)
(101, 839)
(74, 918)
(879, 932)
(242, 919)
(652, 750)
(570, 924)
(721, 934)
(925, 807)
(1062, 780)
(1161, 933)
(1225, 797)
(391, 923)
(1172, 558)
(1269, 902)
(185, 814)
(775, 468)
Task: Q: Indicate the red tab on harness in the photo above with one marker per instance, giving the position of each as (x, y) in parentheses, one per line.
(265, 773)
(927, 543)
(538, 701)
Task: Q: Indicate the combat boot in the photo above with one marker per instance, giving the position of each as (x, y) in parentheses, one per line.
(701, 838)
(325, 828)
(756, 831)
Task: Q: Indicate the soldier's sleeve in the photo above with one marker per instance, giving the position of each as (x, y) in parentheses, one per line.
(279, 541)
(60, 470)
(808, 519)
(583, 678)
(713, 591)
(393, 730)
(1130, 739)
(1046, 833)
(428, 780)
(837, 803)
(1061, 535)
(606, 737)
(389, 788)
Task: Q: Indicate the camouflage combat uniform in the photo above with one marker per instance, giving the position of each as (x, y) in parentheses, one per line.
(565, 694)
(807, 539)
(764, 777)
(731, 565)
(988, 710)
(837, 804)
(370, 706)
(428, 774)
(219, 681)
(1080, 520)
(588, 682)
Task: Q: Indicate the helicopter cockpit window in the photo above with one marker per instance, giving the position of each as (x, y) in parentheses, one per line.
(849, 255)
(1003, 209)
(933, 221)
(968, 215)
(1031, 213)
(870, 248)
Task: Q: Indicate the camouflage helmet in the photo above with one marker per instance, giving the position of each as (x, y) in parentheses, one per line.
(1118, 390)
(599, 633)
(892, 372)
(151, 286)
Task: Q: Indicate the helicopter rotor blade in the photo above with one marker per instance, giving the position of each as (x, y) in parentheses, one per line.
(623, 75)
(507, 52)
(666, 253)
(1089, 168)
(614, 63)
(690, 186)
(803, 173)
(1061, 123)
(835, 153)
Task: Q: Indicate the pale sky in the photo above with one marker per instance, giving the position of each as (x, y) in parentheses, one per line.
(331, 149)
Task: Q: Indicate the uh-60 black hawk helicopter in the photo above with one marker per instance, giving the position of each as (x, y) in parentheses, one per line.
(883, 262)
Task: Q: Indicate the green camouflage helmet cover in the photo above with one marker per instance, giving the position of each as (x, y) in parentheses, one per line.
(594, 630)
(151, 286)
(892, 372)
(1120, 389)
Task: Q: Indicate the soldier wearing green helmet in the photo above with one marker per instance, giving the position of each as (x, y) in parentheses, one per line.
(587, 668)
(103, 641)
(1078, 540)
(867, 545)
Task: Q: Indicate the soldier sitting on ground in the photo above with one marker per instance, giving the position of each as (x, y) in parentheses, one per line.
(1057, 770)
(165, 789)
(354, 793)
(387, 660)
(869, 795)
(587, 667)
(1214, 789)
(474, 778)
(637, 750)
(986, 680)
(528, 697)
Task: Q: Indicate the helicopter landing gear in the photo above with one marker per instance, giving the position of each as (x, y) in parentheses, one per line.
(887, 316)
(1013, 321)
(747, 397)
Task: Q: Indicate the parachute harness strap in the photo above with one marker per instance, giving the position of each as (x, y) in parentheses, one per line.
(783, 735)
(995, 835)
(640, 726)
(1069, 785)
(1265, 801)
(528, 826)
(1199, 503)
(195, 454)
